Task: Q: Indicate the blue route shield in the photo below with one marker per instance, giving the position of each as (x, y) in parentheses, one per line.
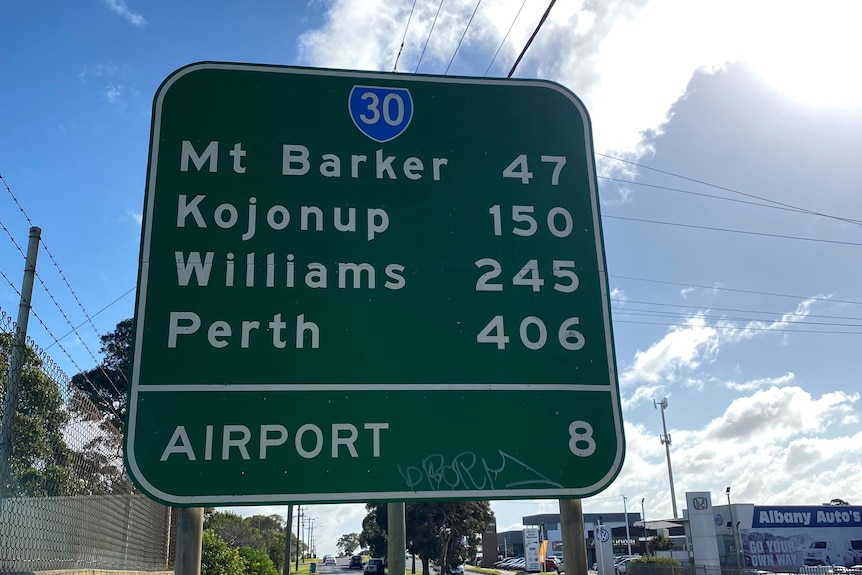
(382, 114)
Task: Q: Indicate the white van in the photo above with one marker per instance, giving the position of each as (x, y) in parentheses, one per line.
(823, 553)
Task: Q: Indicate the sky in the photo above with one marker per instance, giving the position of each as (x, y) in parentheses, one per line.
(728, 136)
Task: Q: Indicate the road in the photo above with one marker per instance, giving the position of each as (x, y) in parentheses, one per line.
(341, 567)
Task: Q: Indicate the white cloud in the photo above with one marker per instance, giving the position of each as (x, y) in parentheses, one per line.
(138, 217)
(755, 384)
(680, 352)
(681, 349)
(120, 8)
(113, 93)
(619, 296)
(758, 327)
(609, 53)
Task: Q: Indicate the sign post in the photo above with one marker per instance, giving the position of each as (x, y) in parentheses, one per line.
(370, 287)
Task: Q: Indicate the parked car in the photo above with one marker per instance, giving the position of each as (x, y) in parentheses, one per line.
(374, 567)
(621, 567)
(355, 562)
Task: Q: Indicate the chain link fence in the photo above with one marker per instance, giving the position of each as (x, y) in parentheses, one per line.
(66, 501)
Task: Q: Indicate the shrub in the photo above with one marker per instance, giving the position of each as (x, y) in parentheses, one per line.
(219, 559)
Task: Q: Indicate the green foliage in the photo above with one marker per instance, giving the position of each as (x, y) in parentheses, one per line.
(373, 535)
(39, 463)
(219, 559)
(271, 530)
(259, 532)
(236, 531)
(348, 543)
(257, 562)
(446, 532)
(106, 385)
(652, 565)
(656, 560)
(661, 543)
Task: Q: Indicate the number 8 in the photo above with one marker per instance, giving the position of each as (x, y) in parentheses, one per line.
(586, 436)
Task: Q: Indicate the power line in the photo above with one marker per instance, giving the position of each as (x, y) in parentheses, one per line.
(130, 290)
(621, 301)
(733, 231)
(470, 21)
(512, 25)
(712, 196)
(60, 345)
(733, 328)
(404, 37)
(532, 36)
(659, 313)
(731, 190)
(431, 31)
(736, 290)
(51, 295)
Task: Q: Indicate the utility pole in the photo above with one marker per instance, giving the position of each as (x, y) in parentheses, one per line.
(16, 361)
(311, 521)
(287, 528)
(298, 532)
(665, 439)
(574, 544)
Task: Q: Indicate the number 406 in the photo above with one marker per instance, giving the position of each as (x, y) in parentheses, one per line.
(533, 333)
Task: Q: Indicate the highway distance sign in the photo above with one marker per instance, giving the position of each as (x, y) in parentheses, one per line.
(370, 287)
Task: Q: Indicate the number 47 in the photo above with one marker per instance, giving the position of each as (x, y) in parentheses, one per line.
(520, 169)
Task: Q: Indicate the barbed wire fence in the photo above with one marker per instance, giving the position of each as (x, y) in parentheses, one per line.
(66, 501)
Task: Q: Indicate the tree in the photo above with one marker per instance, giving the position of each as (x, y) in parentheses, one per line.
(263, 533)
(373, 535)
(257, 562)
(271, 530)
(234, 530)
(39, 460)
(444, 531)
(661, 543)
(106, 385)
(348, 543)
(217, 558)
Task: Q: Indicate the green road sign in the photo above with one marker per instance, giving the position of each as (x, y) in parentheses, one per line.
(365, 286)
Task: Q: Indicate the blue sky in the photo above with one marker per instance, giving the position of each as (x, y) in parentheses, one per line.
(750, 104)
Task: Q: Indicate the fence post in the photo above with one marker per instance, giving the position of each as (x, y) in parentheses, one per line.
(16, 361)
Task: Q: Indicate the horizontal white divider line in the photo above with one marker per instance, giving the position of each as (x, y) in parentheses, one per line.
(603, 387)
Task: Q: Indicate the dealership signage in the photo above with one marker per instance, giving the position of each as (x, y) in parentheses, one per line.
(785, 538)
(345, 277)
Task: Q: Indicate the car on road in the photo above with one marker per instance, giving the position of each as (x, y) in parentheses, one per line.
(329, 560)
(621, 566)
(374, 567)
(456, 570)
(355, 562)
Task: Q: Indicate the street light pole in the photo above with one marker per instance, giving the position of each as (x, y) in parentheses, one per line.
(626, 515)
(643, 524)
(737, 542)
(665, 439)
